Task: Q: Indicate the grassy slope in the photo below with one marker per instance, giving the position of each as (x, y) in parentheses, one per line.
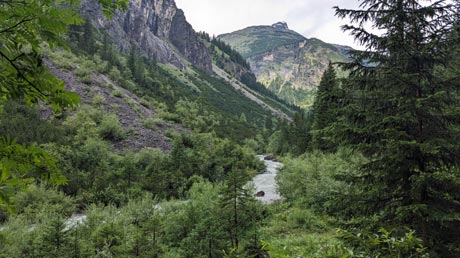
(257, 40)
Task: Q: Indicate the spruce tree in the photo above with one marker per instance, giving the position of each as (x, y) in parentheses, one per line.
(324, 110)
(403, 114)
(299, 136)
(87, 40)
(235, 199)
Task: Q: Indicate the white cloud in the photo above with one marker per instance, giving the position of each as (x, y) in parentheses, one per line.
(312, 18)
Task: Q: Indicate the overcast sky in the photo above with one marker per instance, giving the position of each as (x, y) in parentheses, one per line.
(311, 18)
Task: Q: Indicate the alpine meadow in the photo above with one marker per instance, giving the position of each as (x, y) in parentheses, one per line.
(125, 132)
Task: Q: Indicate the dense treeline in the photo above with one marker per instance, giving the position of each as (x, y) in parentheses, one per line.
(396, 112)
(234, 55)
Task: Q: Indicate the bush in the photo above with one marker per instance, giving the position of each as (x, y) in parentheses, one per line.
(98, 100)
(311, 179)
(85, 68)
(384, 244)
(39, 199)
(111, 129)
(101, 66)
(144, 102)
(116, 93)
(151, 123)
(170, 117)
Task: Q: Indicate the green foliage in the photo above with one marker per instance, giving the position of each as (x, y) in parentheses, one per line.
(294, 138)
(25, 25)
(111, 129)
(303, 98)
(195, 117)
(312, 180)
(234, 55)
(116, 93)
(152, 123)
(210, 157)
(325, 111)
(38, 198)
(384, 244)
(24, 124)
(20, 165)
(401, 113)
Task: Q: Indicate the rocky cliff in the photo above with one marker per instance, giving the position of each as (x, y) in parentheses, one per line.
(288, 63)
(157, 28)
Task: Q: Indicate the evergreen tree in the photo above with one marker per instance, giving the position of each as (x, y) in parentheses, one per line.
(87, 40)
(235, 198)
(299, 137)
(402, 114)
(325, 110)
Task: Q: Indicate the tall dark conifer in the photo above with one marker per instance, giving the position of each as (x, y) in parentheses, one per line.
(87, 40)
(325, 110)
(403, 115)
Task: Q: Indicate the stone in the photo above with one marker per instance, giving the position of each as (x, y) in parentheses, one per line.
(260, 194)
(270, 157)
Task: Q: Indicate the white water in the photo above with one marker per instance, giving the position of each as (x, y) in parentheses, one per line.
(266, 182)
(263, 182)
(76, 220)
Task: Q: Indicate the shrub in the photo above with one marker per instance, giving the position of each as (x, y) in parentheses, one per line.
(116, 93)
(144, 102)
(170, 117)
(98, 100)
(115, 74)
(111, 129)
(151, 123)
(311, 179)
(39, 199)
(85, 69)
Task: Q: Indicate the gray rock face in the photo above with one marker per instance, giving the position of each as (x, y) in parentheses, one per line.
(157, 28)
(184, 38)
(280, 26)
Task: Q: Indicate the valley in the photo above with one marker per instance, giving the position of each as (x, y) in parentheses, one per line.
(125, 132)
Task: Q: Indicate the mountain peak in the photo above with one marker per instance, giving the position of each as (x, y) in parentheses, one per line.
(280, 26)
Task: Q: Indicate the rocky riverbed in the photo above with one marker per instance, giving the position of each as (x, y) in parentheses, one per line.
(266, 182)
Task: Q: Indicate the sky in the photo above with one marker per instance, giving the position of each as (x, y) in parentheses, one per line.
(311, 18)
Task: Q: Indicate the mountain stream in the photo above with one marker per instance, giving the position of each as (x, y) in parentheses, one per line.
(266, 182)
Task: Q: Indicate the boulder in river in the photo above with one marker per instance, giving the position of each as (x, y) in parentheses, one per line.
(270, 157)
(260, 194)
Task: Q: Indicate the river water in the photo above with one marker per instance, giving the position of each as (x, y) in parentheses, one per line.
(263, 182)
(266, 182)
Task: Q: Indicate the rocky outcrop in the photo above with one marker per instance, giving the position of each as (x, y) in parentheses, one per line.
(157, 28)
(298, 65)
(184, 38)
(280, 26)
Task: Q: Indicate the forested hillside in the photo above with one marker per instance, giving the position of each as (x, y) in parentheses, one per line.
(124, 133)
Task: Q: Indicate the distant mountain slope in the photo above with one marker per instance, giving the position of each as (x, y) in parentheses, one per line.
(157, 29)
(284, 61)
(154, 75)
(257, 40)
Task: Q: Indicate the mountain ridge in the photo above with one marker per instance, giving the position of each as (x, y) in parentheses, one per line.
(286, 62)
